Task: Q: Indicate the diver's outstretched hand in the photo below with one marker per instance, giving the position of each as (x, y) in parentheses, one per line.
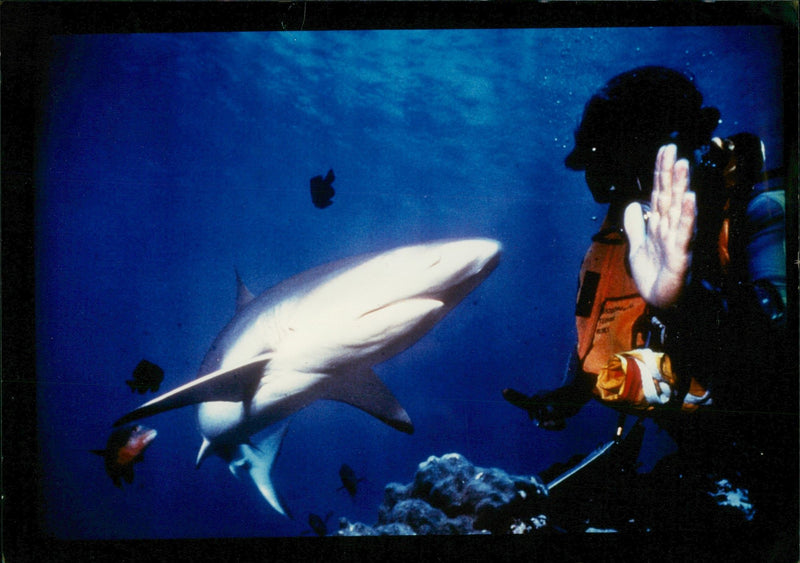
(539, 409)
(659, 246)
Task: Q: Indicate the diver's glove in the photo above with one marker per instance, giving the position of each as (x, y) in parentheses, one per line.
(540, 407)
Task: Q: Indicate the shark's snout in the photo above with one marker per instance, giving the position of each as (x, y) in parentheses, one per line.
(471, 256)
(488, 252)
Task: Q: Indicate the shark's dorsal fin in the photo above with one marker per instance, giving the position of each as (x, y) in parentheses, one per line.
(364, 390)
(243, 295)
(221, 385)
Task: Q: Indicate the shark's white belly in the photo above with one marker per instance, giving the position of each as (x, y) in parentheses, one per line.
(279, 396)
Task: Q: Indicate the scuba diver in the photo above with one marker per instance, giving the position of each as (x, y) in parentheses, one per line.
(681, 306)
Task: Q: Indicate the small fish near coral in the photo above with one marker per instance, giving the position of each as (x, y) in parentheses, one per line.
(318, 524)
(349, 480)
(147, 376)
(322, 190)
(124, 448)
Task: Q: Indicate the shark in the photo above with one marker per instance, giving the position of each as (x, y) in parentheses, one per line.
(316, 336)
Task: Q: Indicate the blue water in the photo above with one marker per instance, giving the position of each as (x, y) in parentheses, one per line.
(168, 161)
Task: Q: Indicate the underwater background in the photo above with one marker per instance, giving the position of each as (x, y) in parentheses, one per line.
(166, 162)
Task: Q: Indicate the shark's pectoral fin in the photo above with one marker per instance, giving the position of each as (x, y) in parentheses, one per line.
(364, 390)
(258, 461)
(222, 385)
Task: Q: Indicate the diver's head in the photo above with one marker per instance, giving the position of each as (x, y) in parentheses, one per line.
(625, 123)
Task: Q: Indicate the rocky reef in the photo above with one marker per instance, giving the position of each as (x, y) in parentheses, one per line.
(450, 496)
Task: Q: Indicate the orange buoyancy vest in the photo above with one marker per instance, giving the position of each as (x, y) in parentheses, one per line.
(608, 302)
(608, 313)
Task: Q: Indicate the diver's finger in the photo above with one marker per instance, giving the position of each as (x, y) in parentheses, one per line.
(665, 173)
(634, 225)
(654, 194)
(685, 229)
(680, 176)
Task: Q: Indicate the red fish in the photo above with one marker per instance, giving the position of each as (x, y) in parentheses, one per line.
(125, 447)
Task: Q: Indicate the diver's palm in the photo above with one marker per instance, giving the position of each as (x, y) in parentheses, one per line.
(659, 247)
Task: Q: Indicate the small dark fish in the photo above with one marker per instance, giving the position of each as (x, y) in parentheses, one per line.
(322, 190)
(146, 377)
(125, 447)
(349, 480)
(319, 525)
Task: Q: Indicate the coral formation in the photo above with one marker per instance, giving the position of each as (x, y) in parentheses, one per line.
(449, 495)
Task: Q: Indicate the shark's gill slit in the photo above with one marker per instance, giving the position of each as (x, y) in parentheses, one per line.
(376, 309)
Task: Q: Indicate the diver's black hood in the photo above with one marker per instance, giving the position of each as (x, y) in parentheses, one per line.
(626, 121)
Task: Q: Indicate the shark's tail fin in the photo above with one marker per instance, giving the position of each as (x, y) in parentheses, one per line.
(258, 462)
